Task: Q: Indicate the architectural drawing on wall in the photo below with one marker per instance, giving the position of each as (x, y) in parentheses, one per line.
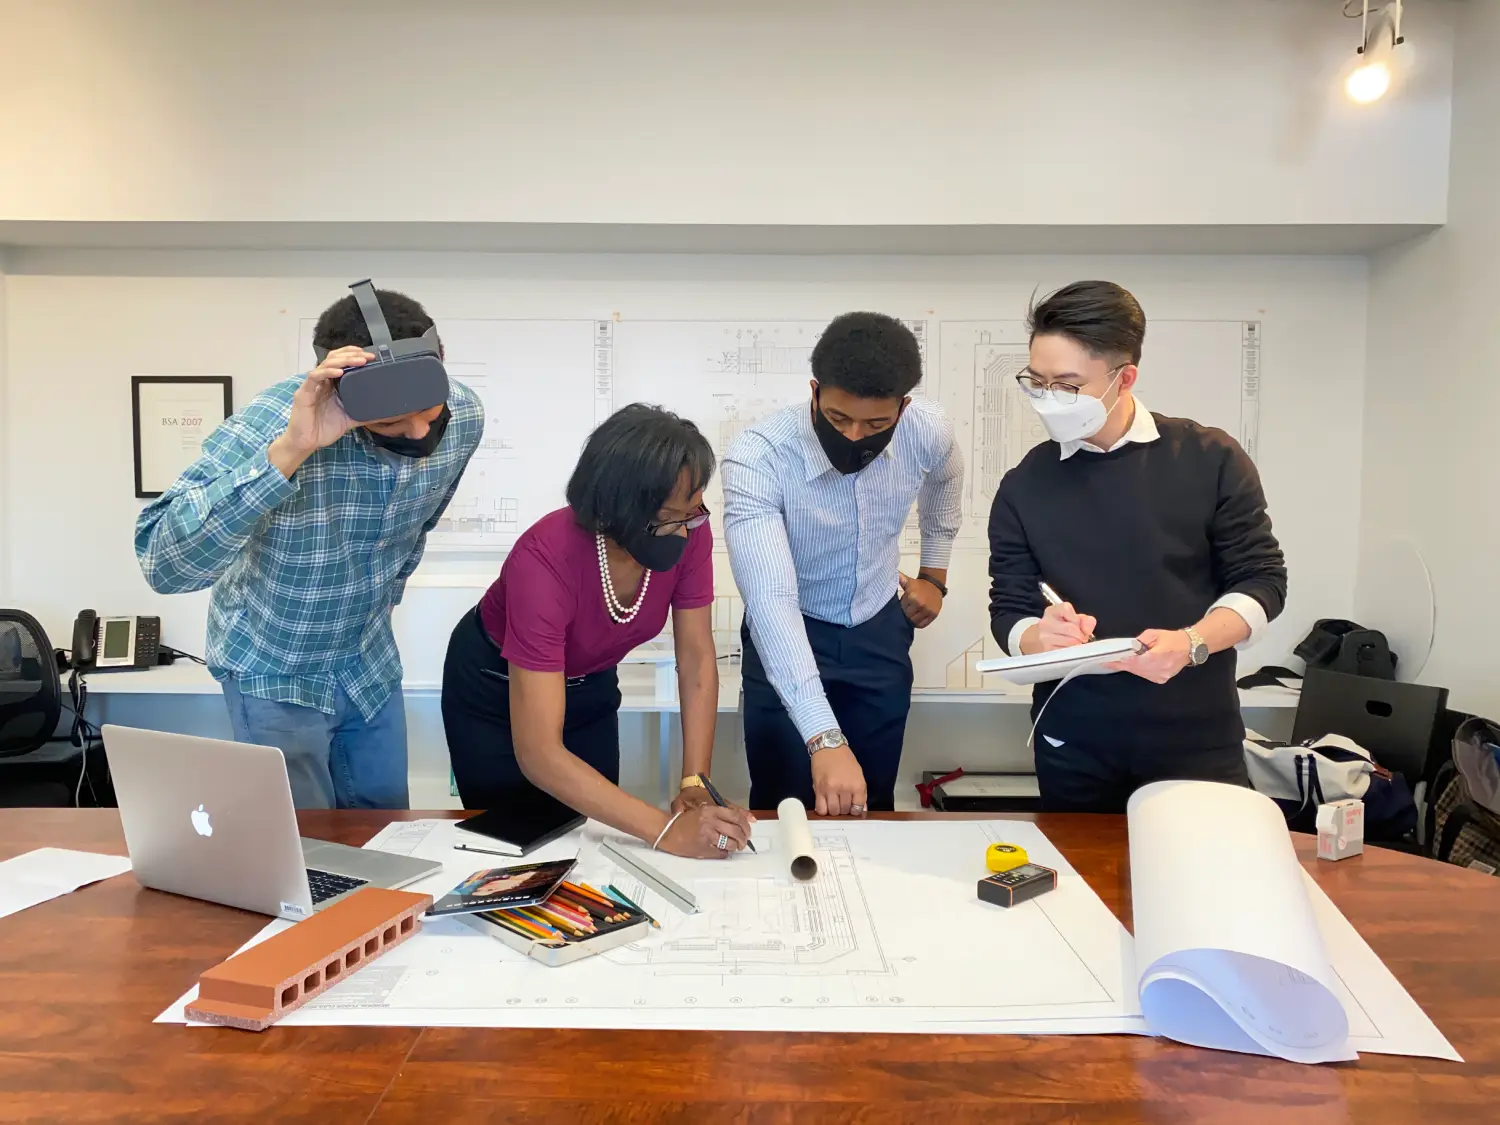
(1250, 387)
(961, 671)
(1207, 370)
(771, 924)
(1006, 427)
(544, 385)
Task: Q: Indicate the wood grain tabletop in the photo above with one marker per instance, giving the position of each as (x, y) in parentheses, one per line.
(83, 976)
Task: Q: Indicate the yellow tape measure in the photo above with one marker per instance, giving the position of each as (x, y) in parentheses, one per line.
(1004, 857)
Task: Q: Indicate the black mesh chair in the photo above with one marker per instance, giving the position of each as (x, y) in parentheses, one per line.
(30, 706)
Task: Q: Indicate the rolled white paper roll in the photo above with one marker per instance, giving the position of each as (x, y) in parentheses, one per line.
(796, 839)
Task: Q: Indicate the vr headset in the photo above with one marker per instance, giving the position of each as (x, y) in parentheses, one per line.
(405, 375)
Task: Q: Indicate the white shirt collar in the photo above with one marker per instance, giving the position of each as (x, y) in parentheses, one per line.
(1142, 429)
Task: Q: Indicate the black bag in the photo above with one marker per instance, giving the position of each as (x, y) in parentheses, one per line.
(1344, 646)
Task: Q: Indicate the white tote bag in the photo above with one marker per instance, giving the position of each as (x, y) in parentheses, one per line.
(1284, 772)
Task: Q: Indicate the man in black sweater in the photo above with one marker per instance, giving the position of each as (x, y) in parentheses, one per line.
(1157, 528)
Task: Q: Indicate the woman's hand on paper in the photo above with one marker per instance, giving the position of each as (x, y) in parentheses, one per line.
(697, 832)
(690, 797)
(838, 782)
(1062, 626)
(1168, 651)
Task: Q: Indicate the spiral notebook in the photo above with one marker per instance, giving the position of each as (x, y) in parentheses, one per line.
(1040, 667)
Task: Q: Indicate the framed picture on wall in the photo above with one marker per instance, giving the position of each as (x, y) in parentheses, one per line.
(173, 414)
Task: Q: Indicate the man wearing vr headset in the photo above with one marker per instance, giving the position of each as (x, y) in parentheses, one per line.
(306, 513)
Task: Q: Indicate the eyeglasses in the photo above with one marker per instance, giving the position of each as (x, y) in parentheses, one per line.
(697, 519)
(1062, 392)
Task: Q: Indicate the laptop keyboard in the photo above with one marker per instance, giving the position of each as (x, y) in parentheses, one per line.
(326, 885)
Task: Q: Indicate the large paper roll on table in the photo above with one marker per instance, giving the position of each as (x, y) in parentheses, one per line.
(796, 839)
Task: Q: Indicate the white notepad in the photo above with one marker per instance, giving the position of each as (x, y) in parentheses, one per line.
(1059, 662)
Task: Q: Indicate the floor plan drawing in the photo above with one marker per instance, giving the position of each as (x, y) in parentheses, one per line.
(852, 949)
(772, 925)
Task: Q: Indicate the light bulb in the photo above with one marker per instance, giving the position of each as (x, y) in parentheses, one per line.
(1368, 82)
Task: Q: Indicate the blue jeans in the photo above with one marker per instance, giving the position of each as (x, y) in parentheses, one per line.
(332, 761)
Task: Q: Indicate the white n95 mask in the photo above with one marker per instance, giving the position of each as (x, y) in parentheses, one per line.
(1073, 421)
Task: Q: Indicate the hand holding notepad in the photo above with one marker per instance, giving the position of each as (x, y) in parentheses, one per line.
(1091, 659)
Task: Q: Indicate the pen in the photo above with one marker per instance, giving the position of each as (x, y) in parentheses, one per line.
(483, 851)
(723, 804)
(1052, 599)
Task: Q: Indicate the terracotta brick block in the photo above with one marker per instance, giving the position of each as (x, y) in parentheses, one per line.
(254, 989)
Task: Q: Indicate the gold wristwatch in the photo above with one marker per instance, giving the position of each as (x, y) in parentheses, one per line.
(690, 781)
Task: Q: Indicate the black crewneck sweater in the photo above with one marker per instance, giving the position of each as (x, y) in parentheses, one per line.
(1147, 536)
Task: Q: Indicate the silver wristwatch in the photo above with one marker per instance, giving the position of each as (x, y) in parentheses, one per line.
(826, 740)
(1198, 648)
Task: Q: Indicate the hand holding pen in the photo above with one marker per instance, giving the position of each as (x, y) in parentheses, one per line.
(1062, 626)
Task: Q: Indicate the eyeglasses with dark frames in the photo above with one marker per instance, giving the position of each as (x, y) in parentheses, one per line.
(668, 527)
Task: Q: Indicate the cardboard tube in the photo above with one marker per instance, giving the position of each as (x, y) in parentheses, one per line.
(796, 839)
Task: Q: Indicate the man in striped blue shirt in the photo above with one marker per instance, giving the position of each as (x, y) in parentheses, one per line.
(815, 498)
(307, 526)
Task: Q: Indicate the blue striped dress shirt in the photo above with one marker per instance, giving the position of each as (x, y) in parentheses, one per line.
(804, 538)
(304, 571)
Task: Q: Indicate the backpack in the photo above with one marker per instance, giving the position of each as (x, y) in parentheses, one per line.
(1343, 646)
(1301, 776)
(1464, 822)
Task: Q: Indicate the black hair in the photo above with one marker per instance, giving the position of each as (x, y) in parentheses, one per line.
(342, 324)
(868, 354)
(629, 468)
(1099, 315)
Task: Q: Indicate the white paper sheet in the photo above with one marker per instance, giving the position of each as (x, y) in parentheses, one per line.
(1231, 945)
(47, 873)
(888, 936)
(1060, 663)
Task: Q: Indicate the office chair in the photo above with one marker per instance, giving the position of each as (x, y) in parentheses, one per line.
(30, 707)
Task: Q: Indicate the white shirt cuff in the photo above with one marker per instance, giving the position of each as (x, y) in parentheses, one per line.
(1013, 642)
(813, 717)
(937, 551)
(1250, 610)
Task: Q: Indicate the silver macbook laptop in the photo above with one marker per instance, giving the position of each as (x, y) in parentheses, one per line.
(214, 820)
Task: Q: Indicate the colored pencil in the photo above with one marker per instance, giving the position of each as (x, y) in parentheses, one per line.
(586, 906)
(617, 893)
(563, 923)
(587, 892)
(517, 926)
(579, 920)
(525, 915)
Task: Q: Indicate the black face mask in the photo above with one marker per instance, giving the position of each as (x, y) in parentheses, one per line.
(845, 455)
(655, 552)
(416, 447)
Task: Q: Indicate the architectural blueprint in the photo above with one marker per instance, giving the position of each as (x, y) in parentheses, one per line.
(544, 385)
(889, 935)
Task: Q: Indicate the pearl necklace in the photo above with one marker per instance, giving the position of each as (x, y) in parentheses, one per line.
(617, 611)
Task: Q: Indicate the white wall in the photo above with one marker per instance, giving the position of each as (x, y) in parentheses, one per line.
(82, 323)
(1174, 112)
(1432, 404)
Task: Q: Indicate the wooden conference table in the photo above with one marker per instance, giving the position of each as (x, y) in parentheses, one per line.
(83, 976)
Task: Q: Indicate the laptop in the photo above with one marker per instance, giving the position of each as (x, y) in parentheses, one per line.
(214, 820)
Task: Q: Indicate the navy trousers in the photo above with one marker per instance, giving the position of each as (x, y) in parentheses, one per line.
(866, 673)
(1098, 779)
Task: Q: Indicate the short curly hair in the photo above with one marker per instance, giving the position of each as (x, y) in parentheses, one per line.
(343, 325)
(868, 354)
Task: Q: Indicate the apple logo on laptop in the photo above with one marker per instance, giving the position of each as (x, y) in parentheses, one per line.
(201, 824)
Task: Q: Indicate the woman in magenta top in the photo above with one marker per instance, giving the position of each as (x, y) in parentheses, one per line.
(531, 697)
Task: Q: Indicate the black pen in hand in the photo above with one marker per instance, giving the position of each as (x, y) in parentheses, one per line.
(723, 804)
